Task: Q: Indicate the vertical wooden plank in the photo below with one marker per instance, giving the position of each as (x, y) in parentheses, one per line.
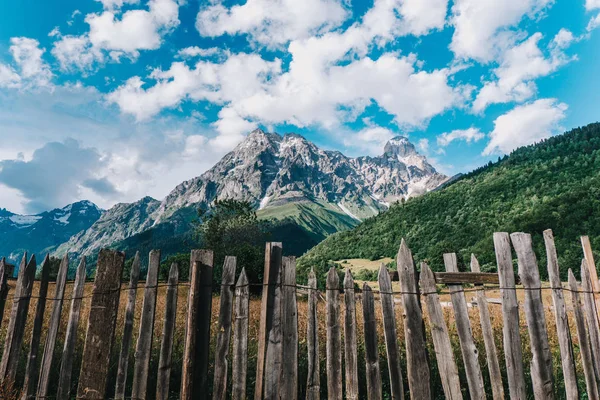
(390, 335)
(313, 388)
(273, 252)
(488, 337)
(144, 342)
(53, 326)
(200, 260)
(333, 345)
(3, 288)
(350, 346)
(127, 329)
(274, 351)
(201, 387)
(101, 325)
(589, 258)
(439, 332)
(562, 322)
(535, 315)
(240, 338)
(513, 353)
(66, 363)
(465, 334)
(224, 329)
(166, 343)
(18, 318)
(371, 348)
(414, 331)
(589, 308)
(31, 370)
(591, 382)
(289, 319)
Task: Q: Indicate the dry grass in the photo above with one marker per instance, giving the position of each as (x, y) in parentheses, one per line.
(358, 264)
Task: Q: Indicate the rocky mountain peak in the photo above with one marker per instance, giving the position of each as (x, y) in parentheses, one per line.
(399, 146)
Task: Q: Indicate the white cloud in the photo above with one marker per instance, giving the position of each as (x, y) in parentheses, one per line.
(76, 53)
(27, 55)
(195, 51)
(592, 4)
(9, 78)
(369, 140)
(594, 23)
(116, 4)
(526, 124)
(423, 145)
(468, 135)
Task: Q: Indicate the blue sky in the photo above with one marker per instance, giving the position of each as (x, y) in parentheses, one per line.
(112, 100)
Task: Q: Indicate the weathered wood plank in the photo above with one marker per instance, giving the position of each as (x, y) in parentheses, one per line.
(562, 322)
(224, 329)
(441, 339)
(274, 350)
(53, 326)
(101, 326)
(66, 363)
(591, 382)
(18, 318)
(589, 308)
(3, 288)
(419, 380)
(200, 260)
(513, 353)
(127, 329)
(350, 338)
(465, 333)
(390, 334)
(166, 343)
(334, 339)
(474, 278)
(289, 319)
(313, 389)
(144, 343)
(371, 348)
(588, 254)
(240, 338)
(488, 337)
(31, 370)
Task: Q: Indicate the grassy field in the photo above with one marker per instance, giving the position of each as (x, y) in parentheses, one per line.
(495, 310)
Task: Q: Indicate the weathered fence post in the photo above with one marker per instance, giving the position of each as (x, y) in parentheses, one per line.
(488, 337)
(201, 262)
(144, 342)
(18, 318)
(240, 338)
(510, 314)
(589, 308)
(371, 350)
(441, 339)
(166, 343)
(3, 287)
(289, 325)
(101, 325)
(66, 363)
(350, 346)
(416, 350)
(313, 389)
(562, 322)
(589, 258)
(333, 346)
(31, 370)
(390, 335)
(465, 333)
(224, 329)
(269, 319)
(127, 329)
(591, 382)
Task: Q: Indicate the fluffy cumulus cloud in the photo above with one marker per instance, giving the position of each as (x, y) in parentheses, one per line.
(29, 70)
(76, 53)
(526, 124)
(468, 135)
(369, 140)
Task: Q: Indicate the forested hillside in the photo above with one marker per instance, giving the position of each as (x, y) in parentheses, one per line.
(554, 184)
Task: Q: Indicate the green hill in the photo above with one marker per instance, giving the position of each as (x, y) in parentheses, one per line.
(553, 184)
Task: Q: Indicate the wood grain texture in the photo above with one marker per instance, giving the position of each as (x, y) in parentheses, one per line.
(350, 337)
(289, 328)
(240, 338)
(168, 335)
(3, 287)
(371, 347)
(313, 389)
(333, 345)
(589, 308)
(588, 254)
(274, 350)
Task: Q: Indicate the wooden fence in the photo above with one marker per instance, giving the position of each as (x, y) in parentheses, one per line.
(277, 375)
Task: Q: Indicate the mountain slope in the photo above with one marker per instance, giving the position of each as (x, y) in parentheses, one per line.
(554, 184)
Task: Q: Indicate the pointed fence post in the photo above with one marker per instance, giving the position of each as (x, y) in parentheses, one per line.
(371, 348)
(66, 363)
(390, 334)
(289, 325)
(513, 352)
(313, 389)
(350, 346)
(166, 344)
(589, 308)
(31, 370)
(224, 329)
(101, 326)
(488, 337)
(589, 258)
(127, 329)
(334, 350)
(441, 339)
(3, 288)
(18, 318)
(414, 331)
(562, 322)
(240, 338)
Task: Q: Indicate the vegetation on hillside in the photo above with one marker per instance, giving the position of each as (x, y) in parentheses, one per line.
(554, 184)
